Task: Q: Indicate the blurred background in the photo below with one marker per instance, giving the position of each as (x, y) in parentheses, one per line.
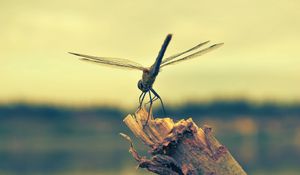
(59, 115)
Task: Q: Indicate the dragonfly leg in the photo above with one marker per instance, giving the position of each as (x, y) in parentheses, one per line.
(150, 108)
(153, 99)
(162, 104)
(141, 99)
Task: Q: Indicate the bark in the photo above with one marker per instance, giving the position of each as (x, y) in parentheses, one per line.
(179, 148)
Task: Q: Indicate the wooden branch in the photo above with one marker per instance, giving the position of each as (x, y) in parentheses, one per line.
(179, 148)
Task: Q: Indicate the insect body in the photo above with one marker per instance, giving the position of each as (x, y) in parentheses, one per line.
(150, 73)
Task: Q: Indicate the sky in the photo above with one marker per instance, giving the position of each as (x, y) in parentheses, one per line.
(259, 61)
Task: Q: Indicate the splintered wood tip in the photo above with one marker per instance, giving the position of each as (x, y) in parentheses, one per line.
(155, 131)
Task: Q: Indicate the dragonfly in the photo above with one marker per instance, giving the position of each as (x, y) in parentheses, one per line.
(145, 84)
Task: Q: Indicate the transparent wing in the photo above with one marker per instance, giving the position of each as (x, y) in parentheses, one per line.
(116, 62)
(196, 54)
(181, 53)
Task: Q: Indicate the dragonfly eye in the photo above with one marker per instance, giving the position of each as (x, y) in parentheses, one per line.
(140, 85)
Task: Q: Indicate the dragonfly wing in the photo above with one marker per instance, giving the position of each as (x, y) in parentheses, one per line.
(196, 54)
(116, 62)
(184, 52)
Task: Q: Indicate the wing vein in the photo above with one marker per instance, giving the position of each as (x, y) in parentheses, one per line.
(116, 62)
(196, 54)
(184, 52)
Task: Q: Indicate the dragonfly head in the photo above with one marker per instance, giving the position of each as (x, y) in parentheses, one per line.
(141, 86)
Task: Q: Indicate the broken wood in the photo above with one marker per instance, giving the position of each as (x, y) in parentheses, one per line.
(179, 148)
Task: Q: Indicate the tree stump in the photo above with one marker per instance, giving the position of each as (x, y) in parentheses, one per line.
(179, 148)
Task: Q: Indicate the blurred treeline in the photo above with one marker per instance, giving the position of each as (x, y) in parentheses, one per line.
(44, 139)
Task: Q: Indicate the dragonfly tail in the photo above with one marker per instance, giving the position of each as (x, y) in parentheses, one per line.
(155, 67)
